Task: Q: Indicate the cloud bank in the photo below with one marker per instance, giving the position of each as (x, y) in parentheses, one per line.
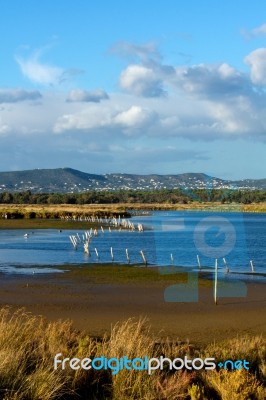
(156, 106)
(17, 95)
(204, 101)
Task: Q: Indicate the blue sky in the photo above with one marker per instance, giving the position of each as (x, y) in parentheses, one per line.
(139, 87)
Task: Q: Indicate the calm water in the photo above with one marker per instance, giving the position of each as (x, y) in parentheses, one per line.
(169, 238)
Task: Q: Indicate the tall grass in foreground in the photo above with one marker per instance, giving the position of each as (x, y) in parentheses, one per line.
(28, 345)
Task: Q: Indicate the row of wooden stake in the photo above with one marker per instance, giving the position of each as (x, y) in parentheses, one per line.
(225, 263)
(86, 249)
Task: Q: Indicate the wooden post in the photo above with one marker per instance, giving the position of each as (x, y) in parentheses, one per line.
(74, 241)
(252, 266)
(96, 251)
(215, 281)
(198, 259)
(128, 259)
(172, 258)
(226, 266)
(143, 257)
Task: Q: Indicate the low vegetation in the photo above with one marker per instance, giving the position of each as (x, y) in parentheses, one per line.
(65, 213)
(28, 345)
(158, 196)
(27, 205)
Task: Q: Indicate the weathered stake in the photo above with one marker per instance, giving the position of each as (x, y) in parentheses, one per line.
(215, 281)
(143, 257)
(226, 266)
(128, 259)
(96, 251)
(252, 266)
(198, 259)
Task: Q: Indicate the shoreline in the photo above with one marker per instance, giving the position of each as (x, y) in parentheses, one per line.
(46, 212)
(54, 217)
(95, 306)
(166, 273)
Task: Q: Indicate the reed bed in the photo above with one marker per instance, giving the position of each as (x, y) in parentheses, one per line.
(56, 211)
(28, 345)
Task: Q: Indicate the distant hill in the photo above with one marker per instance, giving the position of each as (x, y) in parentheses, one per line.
(67, 180)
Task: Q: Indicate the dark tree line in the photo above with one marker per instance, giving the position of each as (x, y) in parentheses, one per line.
(171, 196)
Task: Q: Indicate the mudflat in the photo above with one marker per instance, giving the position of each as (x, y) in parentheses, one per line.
(95, 304)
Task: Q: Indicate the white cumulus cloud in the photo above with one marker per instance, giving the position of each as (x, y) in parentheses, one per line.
(257, 62)
(91, 119)
(204, 101)
(141, 81)
(135, 116)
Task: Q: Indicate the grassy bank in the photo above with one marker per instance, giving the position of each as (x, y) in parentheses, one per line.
(53, 216)
(28, 345)
(61, 212)
(57, 211)
(40, 223)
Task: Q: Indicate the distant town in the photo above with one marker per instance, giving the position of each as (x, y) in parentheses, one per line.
(68, 180)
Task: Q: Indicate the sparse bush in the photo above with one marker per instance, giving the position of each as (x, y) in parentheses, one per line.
(196, 392)
(253, 349)
(236, 385)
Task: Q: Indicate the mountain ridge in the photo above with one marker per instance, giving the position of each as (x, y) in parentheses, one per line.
(68, 180)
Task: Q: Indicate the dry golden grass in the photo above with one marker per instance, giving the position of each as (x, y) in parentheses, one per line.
(25, 369)
(93, 209)
(239, 347)
(255, 207)
(28, 345)
(53, 210)
(131, 339)
(236, 385)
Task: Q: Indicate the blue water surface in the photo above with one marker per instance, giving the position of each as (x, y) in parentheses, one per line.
(182, 238)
